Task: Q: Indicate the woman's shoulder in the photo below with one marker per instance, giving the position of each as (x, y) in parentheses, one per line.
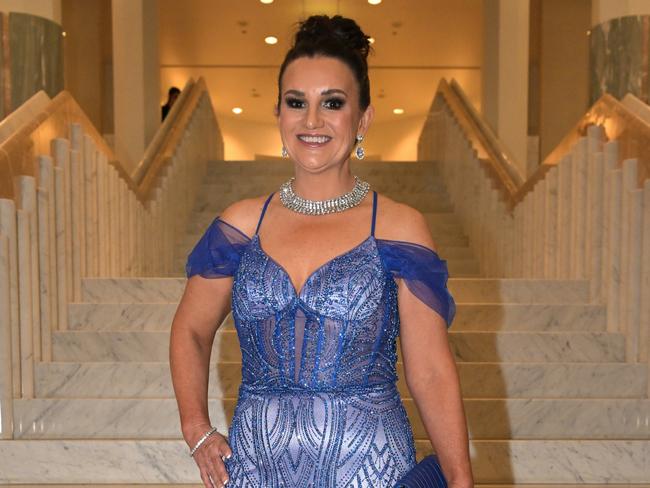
(244, 214)
(398, 221)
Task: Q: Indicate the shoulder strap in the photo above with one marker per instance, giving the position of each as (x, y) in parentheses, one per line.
(266, 204)
(374, 212)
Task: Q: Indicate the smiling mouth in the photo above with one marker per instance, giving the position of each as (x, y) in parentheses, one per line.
(314, 140)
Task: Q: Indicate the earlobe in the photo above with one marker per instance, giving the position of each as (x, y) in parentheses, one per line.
(366, 118)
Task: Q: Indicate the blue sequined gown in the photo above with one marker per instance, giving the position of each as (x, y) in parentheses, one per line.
(318, 404)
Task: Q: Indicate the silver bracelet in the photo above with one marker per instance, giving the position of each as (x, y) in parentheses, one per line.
(202, 440)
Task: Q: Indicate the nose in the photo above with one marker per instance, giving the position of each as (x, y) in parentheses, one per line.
(313, 117)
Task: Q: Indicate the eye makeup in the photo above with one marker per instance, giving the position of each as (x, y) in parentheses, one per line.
(332, 103)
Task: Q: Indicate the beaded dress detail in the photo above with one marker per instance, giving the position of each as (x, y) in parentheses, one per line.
(318, 404)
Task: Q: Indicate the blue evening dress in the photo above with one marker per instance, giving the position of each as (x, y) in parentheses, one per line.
(318, 404)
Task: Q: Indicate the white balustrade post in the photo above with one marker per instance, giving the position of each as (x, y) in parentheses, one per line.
(8, 228)
(539, 228)
(27, 202)
(551, 237)
(62, 260)
(26, 297)
(632, 297)
(45, 293)
(610, 155)
(644, 313)
(6, 373)
(91, 190)
(615, 178)
(78, 227)
(102, 217)
(596, 221)
(579, 208)
(629, 183)
(565, 191)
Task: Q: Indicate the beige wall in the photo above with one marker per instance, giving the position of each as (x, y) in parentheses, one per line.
(88, 58)
(50, 9)
(564, 69)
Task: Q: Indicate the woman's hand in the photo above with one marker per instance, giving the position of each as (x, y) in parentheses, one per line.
(209, 457)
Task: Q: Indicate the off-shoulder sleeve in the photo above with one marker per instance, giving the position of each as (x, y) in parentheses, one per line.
(424, 273)
(217, 252)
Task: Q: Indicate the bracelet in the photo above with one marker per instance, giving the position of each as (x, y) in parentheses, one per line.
(202, 440)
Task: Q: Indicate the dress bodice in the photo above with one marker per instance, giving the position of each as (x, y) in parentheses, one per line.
(339, 331)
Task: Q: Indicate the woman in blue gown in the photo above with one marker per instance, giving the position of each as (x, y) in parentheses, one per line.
(319, 298)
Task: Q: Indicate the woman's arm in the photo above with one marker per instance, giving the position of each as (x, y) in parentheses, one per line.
(203, 307)
(429, 364)
(433, 381)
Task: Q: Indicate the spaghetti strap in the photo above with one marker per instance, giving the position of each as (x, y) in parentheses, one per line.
(266, 203)
(374, 212)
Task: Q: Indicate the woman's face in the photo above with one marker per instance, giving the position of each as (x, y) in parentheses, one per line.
(319, 116)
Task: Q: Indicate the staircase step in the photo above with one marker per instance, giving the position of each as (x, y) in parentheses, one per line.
(477, 317)
(167, 461)
(478, 380)
(113, 418)
(134, 346)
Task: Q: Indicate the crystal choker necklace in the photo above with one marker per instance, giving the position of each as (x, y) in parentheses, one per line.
(319, 207)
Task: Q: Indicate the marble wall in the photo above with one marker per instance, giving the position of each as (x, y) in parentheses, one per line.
(34, 62)
(620, 57)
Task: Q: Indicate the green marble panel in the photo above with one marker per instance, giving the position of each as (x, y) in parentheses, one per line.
(36, 49)
(620, 57)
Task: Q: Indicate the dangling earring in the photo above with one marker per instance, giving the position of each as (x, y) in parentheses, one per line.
(285, 153)
(359, 151)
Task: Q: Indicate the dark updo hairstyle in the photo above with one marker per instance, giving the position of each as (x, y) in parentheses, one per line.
(336, 37)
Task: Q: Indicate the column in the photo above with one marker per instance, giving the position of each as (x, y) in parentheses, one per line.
(136, 77)
(505, 74)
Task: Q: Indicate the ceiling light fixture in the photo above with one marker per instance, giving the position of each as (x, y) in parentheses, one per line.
(271, 40)
(374, 2)
(266, 2)
(398, 111)
(237, 110)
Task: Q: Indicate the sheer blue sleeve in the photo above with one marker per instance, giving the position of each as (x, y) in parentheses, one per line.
(217, 253)
(424, 273)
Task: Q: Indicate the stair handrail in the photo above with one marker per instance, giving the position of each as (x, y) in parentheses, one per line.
(584, 214)
(162, 134)
(620, 121)
(69, 209)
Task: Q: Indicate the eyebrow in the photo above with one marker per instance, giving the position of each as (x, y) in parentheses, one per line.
(325, 92)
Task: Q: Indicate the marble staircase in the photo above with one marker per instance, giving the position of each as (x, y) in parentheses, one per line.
(549, 396)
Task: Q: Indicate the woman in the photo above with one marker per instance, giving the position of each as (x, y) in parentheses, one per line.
(318, 306)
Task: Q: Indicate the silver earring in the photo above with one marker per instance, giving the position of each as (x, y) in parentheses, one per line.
(285, 153)
(359, 151)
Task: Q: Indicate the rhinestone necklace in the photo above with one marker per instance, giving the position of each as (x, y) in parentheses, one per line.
(319, 207)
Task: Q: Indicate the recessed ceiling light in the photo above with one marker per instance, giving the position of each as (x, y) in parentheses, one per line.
(266, 1)
(398, 111)
(237, 110)
(271, 40)
(374, 2)
(371, 40)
